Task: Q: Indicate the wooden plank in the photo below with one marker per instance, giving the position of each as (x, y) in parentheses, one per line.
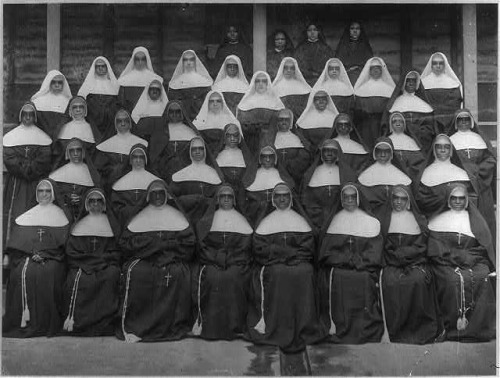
(470, 57)
(53, 36)
(259, 37)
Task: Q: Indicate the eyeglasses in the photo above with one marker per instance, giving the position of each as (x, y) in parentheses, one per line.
(437, 63)
(96, 200)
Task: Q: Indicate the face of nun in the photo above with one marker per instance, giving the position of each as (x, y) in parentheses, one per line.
(57, 84)
(343, 126)
(398, 124)
(282, 200)
(464, 122)
(197, 151)
(333, 70)
(354, 31)
(175, 113)
(376, 71)
(157, 196)
(312, 33)
(189, 62)
(101, 69)
(289, 70)
(215, 103)
(75, 154)
(437, 64)
(28, 116)
(458, 200)
(232, 137)
(78, 109)
(383, 154)
(399, 201)
(44, 193)
(140, 62)
(320, 101)
(442, 148)
(267, 159)
(411, 84)
(279, 41)
(232, 68)
(329, 155)
(226, 199)
(154, 93)
(261, 84)
(349, 199)
(232, 34)
(96, 203)
(284, 122)
(138, 160)
(122, 122)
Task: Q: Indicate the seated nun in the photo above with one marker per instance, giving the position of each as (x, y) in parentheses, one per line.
(385, 172)
(75, 177)
(190, 83)
(78, 127)
(292, 148)
(90, 303)
(320, 191)
(158, 245)
(442, 167)
(169, 143)
(51, 103)
(214, 115)
(149, 110)
(195, 185)
(33, 299)
(283, 310)
(129, 192)
(407, 285)
(257, 111)
(112, 155)
(372, 91)
(478, 159)
(443, 90)
(406, 148)
(100, 90)
(334, 80)
(350, 258)
(233, 156)
(409, 99)
(463, 259)
(353, 147)
(231, 82)
(223, 274)
(137, 75)
(259, 182)
(317, 119)
(27, 158)
(291, 87)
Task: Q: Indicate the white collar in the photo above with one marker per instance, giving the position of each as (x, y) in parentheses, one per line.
(199, 172)
(374, 88)
(463, 140)
(440, 172)
(206, 120)
(350, 146)
(230, 84)
(50, 102)
(288, 87)
(26, 136)
(314, 119)
(283, 221)
(452, 221)
(93, 225)
(94, 84)
(287, 140)
(77, 129)
(72, 173)
(409, 102)
(145, 107)
(433, 81)
(230, 221)
(403, 142)
(138, 79)
(336, 88)
(121, 143)
(48, 215)
(325, 175)
(165, 218)
(180, 132)
(404, 222)
(383, 174)
(260, 101)
(231, 157)
(265, 179)
(135, 180)
(355, 223)
(190, 80)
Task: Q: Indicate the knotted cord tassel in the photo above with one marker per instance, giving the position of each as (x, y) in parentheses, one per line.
(197, 327)
(25, 317)
(261, 325)
(462, 321)
(385, 336)
(333, 327)
(70, 321)
(129, 337)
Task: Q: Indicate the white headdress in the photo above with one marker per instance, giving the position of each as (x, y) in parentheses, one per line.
(45, 100)
(224, 83)
(131, 77)
(339, 87)
(94, 84)
(297, 86)
(253, 100)
(198, 78)
(366, 86)
(146, 107)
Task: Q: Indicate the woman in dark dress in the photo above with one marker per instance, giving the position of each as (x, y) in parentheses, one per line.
(283, 309)
(158, 245)
(234, 44)
(220, 284)
(231, 82)
(91, 292)
(279, 46)
(33, 301)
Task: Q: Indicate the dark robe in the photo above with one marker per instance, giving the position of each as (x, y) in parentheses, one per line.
(257, 126)
(312, 57)
(344, 104)
(101, 113)
(128, 97)
(353, 54)
(146, 126)
(274, 58)
(192, 99)
(368, 113)
(241, 50)
(111, 166)
(296, 103)
(51, 122)
(445, 102)
(232, 100)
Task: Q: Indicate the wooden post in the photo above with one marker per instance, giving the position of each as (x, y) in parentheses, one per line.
(53, 36)
(259, 37)
(108, 40)
(406, 41)
(470, 57)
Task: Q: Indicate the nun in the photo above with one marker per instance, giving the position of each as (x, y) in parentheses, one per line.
(231, 82)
